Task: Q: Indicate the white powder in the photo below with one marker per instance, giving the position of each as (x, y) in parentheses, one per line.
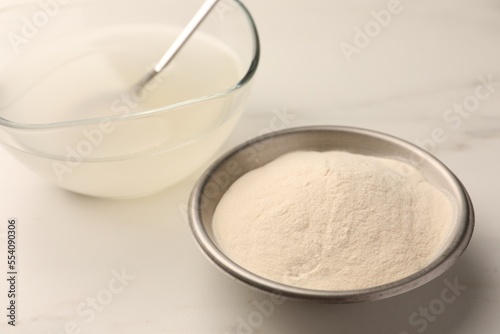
(332, 220)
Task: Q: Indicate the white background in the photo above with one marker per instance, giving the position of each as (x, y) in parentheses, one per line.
(427, 59)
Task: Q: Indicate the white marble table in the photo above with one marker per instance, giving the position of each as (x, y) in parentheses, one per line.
(423, 62)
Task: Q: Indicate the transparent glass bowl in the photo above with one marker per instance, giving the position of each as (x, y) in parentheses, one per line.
(125, 149)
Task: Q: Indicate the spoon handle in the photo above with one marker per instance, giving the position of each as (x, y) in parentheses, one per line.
(180, 40)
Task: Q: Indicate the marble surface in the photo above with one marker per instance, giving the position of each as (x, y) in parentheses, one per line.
(405, 81)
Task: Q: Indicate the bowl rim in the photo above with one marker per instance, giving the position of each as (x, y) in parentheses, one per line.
(246, 78)
(447, 257)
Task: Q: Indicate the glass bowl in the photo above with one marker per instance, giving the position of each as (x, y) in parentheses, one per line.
(66, 109)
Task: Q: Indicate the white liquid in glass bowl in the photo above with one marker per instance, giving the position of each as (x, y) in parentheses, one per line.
(86, 79)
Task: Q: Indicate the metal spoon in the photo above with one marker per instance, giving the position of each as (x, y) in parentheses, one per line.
(178, 43)
(106, 98)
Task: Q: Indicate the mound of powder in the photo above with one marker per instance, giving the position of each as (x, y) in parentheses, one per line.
(332, 220)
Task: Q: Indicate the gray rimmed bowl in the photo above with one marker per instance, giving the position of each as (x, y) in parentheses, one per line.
(259, 151)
